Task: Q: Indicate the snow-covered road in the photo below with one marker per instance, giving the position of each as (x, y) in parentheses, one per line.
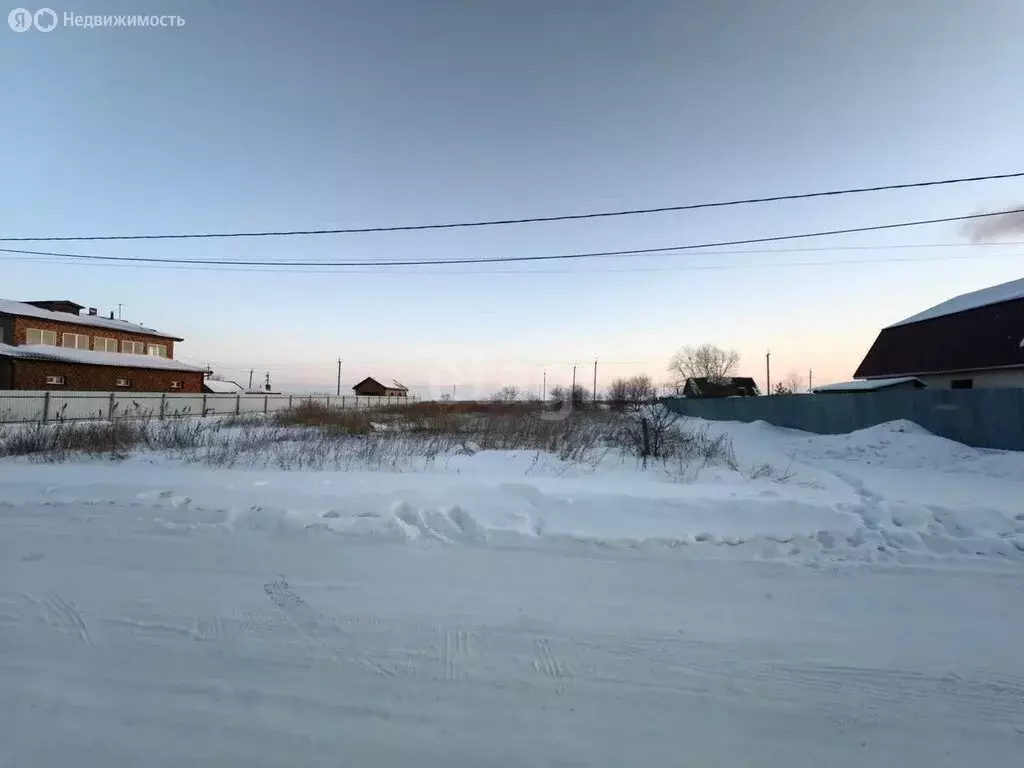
(128, 642)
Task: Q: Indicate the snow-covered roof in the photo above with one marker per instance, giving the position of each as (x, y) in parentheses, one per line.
(866, 386)
(21, 309)
(992, 295)
(88, 357)
(223, 387)
(385, 381)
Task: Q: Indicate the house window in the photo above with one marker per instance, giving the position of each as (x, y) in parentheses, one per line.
(175, 385)
(123, 383)
(37, 336)
(56, 380)
(157, 350)
(75, 340)
(962, 384)
(103, 344)
(133, 347)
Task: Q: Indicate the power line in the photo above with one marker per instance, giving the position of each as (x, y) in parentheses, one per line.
(533, 219)
(508, 259)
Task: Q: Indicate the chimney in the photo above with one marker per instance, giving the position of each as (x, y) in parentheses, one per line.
(92, 311)
(111, 314)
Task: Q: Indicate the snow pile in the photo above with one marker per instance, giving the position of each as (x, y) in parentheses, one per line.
(891, 493)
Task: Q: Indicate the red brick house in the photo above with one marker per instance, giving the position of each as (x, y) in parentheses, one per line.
(51, 345)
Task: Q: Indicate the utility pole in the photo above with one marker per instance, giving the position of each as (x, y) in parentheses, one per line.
(267, 385)
(768, 371)
(250, 379)
(810, 380)
(339, 376)
(119, 311)
(572, 392)
(544, 388)
(595, 382)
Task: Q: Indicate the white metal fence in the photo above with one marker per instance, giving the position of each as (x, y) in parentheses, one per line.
(27, 406)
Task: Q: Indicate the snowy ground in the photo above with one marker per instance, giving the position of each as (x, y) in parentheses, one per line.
(501, 609)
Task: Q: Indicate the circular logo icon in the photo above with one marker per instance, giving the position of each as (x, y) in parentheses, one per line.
(45, 19)
(20, 20)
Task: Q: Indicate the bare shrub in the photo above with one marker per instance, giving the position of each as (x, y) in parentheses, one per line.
(506, 395)
(631, 393)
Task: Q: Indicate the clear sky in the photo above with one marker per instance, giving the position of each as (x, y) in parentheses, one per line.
(271, 115)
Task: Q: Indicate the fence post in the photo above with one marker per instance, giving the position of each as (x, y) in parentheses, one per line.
(238, 403)
(46, 407)
(204, 404)
(289, 402)
(328, 401)
(110, 408)
(265, 404)
(343, 401)
(163, 404)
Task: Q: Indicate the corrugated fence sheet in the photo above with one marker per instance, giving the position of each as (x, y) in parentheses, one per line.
(983, 418)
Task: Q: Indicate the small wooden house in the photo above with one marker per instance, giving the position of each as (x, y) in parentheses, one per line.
(370, 387)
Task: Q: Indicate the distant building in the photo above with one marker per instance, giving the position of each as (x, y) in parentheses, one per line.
(729, 386)
(871, 385)
(50, 345)
(971, 341)
(221, 387)
(370, 387)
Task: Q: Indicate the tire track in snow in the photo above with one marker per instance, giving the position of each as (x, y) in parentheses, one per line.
(317, 628)
(550, 665)
(62, 616)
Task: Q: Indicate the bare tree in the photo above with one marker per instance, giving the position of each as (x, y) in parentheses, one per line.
(705, 361)
(790, 384)
(631, 392)
(580, 395)
(506, 395)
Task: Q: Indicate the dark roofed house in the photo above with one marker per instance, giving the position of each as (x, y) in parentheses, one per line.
(971, 341)
(370, 387)
(730, 386)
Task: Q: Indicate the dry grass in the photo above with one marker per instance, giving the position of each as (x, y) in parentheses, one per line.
(314, 436)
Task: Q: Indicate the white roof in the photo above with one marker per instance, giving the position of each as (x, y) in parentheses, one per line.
(991, 295)
(88, 357)
(223, 387)
(865, 386)
(22, 309)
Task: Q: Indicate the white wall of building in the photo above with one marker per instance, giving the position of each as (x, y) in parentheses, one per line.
(996, 379)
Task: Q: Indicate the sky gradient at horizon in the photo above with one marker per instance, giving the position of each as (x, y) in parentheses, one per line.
(254, 116)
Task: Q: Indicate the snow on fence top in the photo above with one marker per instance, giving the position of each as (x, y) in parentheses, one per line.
(992, 295)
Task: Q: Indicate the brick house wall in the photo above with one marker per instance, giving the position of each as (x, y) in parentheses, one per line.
(5, 374)
(31, 374)
(20, 325)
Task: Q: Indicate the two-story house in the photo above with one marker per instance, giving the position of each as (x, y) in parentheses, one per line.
(51, 345)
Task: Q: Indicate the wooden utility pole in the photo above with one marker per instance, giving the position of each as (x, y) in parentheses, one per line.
(810, 380)
(250, 379)
(544, 388)
(339, 376)
(768, 371)
(595, 382)
(266, 387)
